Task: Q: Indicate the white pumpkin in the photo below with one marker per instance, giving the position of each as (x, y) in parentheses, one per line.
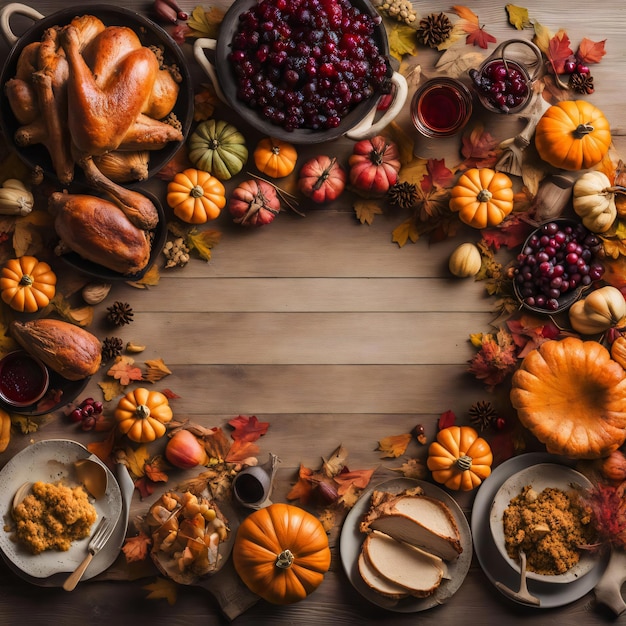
(602, 309)
(594, 201)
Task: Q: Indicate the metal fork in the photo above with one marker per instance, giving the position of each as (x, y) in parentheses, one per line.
(98, 540)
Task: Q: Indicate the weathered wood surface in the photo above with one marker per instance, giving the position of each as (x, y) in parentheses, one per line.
(325, 328)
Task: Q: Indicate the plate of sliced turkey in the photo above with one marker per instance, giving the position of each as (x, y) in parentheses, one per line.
(406, 545)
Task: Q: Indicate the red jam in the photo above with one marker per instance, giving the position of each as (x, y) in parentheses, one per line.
(23, 379)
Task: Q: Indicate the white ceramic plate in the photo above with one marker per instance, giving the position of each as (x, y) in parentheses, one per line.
(540, 477)
(493, 564)
(352, 539)
(52, 461)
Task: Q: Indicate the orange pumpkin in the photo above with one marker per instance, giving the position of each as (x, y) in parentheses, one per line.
(281, 553)
(27, 284)
(142, 415)
(459, 458)
(275, 158)
(571, 395)
(573, 135)
(482, 197)
(196, 196)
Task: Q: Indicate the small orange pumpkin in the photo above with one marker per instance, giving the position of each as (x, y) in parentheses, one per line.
(27, 284)
(281, 553)
(275, 158)
(142, 415)
(482, 197)
(573, 135)
(459, 458)
(196, 196)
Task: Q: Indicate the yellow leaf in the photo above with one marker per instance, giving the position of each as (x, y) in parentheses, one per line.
(205, 23)
(137, 459)
(350, 496)
(404, 232)
(156, 370)
(336, 462)
(366, 210)
(613, 248)
(414, 171)
(518, 16)
(413, 468)
(542, 37)
(110, 389)
(150, 279)
(404, 141)
(476, 339)
(163, 589)
(457, 33)
(402, 41)
(328, 519)
(395, 445)
(203, 242)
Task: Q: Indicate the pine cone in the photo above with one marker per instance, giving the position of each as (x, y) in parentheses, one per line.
(482, 414)
(120, 313)
(434, 29)
(402, 195)
(111, 347)
(581, 83)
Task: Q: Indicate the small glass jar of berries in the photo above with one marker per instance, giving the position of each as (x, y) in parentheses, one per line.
(504, 81)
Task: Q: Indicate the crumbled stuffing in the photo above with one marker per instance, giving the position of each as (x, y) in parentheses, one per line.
(550, 527)
(53, 516)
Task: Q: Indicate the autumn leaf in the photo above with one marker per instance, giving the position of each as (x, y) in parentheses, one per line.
(413, 468)
(350, 497)
(179, 162)
(82, 316)
(479, 148)
(169, 394)
(590, 51)
(328, 519)
(359, 479)
(124, 370)
(518, 16)
(205, 23)
(496, 359)
(163, 589)
(394, 445)
(110, 389)
(476, 35)
(216, 444)
(241, 450)
(145, 487)
(136, 548)
(156, 370)
(136, 460)
(150, 278)
(404, 142)
(303, 488)
(103, 449)
(455, 62)
(559, 51)
(447, 418)
(336, 462)
(204, 103)
(366, 210)
(402, 41)
(529, 333)
(248, 428)
(404, 232)
(542, 37)
(203, 242)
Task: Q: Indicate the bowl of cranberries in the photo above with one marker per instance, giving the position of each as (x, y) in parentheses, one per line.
(305, 71)
(504, 81)
(557, 264)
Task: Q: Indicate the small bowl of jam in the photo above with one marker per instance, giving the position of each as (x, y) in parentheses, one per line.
(24, 379)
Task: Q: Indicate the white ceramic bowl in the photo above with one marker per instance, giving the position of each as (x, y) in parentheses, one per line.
(540, 476)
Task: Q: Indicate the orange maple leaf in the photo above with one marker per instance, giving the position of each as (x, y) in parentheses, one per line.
(590, 51)
(155, 473)
(103, 449)
(394, 445)
(476, 34)
(303, 488)
(359, 479)
(125, 372)
(163, 588)
(248, 428)
(136, 548)
(241, 450)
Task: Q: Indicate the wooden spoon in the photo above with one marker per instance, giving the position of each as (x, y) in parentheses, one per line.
(523, 595)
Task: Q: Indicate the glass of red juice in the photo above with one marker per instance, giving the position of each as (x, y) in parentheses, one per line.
(24, 379)
(441, 107)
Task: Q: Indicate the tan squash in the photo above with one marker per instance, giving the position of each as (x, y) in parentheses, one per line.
(602, 309)
(594, 201)
(465, 260)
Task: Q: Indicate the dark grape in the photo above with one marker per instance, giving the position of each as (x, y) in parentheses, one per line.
(556, 260)
(85, 414)
(502, 85)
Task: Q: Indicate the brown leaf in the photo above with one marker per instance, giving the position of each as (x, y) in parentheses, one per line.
(248, 428)
(366, 210)
(394, 445)
(413, 468)
(156, 370)
(136, 548)
(163, 589)
(350, 497)
(216, 444)
(336, 462)
(328, 518)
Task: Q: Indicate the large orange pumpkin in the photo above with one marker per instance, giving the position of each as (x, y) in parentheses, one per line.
(281, 553)
(573, 135)
(572, 396)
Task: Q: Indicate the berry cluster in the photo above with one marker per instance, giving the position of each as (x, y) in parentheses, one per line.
(580, 78)
(307, 63)
(555, 261)
(86, 413)
(502, 84)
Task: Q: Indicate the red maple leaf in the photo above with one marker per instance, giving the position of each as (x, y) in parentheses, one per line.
(438, 175)
(476, 34)
(479, 148)
(447, 418)
(529, 333)
(559, 51)
(590, 51)
(510, 233)
(247, 428)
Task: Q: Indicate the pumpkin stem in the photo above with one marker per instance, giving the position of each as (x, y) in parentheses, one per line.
(582, 130)
(142, 411)
(26, 280)
(325, 174)
(484, 195)
(285, 559)
(464, 462)
(197, 191)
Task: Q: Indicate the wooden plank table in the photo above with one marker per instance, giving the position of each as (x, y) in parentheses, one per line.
(333, 334)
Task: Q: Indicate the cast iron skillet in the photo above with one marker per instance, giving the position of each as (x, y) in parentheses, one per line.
(149, 34)
(227, 81)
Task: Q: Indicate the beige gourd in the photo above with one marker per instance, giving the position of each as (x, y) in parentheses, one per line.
(15, 198)
(594, 201)
(602, 309)
(465, 261)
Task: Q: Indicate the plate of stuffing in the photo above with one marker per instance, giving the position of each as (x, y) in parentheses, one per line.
(47, 529)
(406, 545)
(533, 502)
